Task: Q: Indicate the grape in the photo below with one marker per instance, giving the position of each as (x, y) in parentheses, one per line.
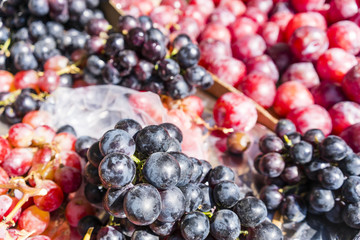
(52, 200)
(34, 220)
(18, 161)
(351, 215)
(225, 224)
(195, 219)
(124, 61)
(350, 165)
(331, 178)
(151, 139)
(117, 170)
(267, 231)
(270, 143)
(76, 209)
(333, 148)
(110, 74)
(117, 141)
(349, 189)
(335, 214)
(197, 170)
(301, 152)
(68, 178)
(109, 233)
(206, 167)
(153, 50)
(271, 196)
(68, 129)
(94, 155)
(227, 194)
(142, 204)
(312, 169)
(314, 136)
(188, 55)
(271, 164)
(173, 131)
(220, 174)
(114, 199)
(162, 229)
(136, 38)
(178, 88)
(114, 44)
(321, 200)
(174, 145)
(173, 205)
(143, 71)
(155, 34)
(87, 222)
(194, 197)
(145, 22)
(20, 135)
(94, 194)
(251, 211)
(293, 209)
(186, 168)
(168, 69)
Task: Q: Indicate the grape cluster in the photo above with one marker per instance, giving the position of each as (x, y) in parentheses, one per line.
(152, 190)
(136, 56)
(309, 173)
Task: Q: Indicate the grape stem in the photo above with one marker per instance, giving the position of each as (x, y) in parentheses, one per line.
(5, 47)
(244, 232)
(20, 184)
(88, 234)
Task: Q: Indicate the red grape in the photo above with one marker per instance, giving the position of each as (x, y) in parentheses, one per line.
(216, 31)
(177, 4)
(271, 33)
(351, 84)
(42, 155)
(302, 72)
(334, 64)
(64, 141)
(248, 47)
(256, 15)
(307, 5)
(238, 8)
(68, 178)
(52, 200)
(70, 159)
(26, 79)
(291, 95)
(37, 118)
(206, 6)
(18, 162)
(195, 12)
(6, 81)
(345, 34)
(7, 204)
(164, 15)
(327, 94)
(211, 50)
(343, 115)
(76, 209)
(352, 136)
(20, 135)
(341, 9)
(235, 111)
(34, 220)
(263, 5)
(43, 135)
(49, 81)
(56, 63)
(193, 105)
(241, 27)
(4, 178)
(265, 65)
(260, 88)
(282, 19)
(4, 149)
(229, 70)
(310, 117)
(222, 15)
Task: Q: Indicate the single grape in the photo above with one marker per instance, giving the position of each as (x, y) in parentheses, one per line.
(114, 199)
(350, 165)
(314, 136)
(144, 235)
(94, 194)
(188, 55)
(193, 197)
(292, 174)
(178, 88)
(197, 170)
(173, 205)
(109, 233)
(168, 69)
(68, 129)
(321, 200)
(266, 231)
(142, 204)
(333, 148)
(128, 125)
(227, 194)
(350, 188)
(271, 196)
(117, 141)
(208, 201)
(206, 167)
(293, 209)
(153, 50)
(94, 155)
(220, 174)
(116, 170)
(331, 178)
(284, 127)
(251, 211)
(173, 131)
(195, 219)
(351, 215)
(270, 143)
(162, 229)
(68, 178)
(301, 152)
(271, 164)
(87, 222)
(225, 224)
(151, 139)
(186, 168)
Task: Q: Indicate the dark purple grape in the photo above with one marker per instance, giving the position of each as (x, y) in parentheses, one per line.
(174, 145)
(173, 205)
(206, 167)
(168, 69)
(114, 199)
(9, 115)
(38, 7)
(68, 129)
(116, 170)
(92, 3)
(293, 209)
(20, 35)
(284, 127)
(126, 23)
(193, 197)
(94, 194)
(180, 41)
(314, 136)
(351, 215)
(321, 200)
(124, 61)
(114, 44)
(135, 38)
(301, 152)
(128, 125)
(87, 222)
(95, 65)
(271, 165)
(350, 165)
(227, 194)
(219, 174)
(333, 148)
(162, 229)
(83, 143)
(126, 227)
(145, 22)
(251, 211)
(91, 174)
(144, 234)
(161, 170)
(86, 16)
(207, 81)
(37, 29)
(350, 190)
(109, 233)
(57, 6)
(25, 61)
(186, 168)
(312, 169)
(331, 178)
(335, 214)
(266, 231)
(110, 74)
(143, 70)
(155, 34)
(188, 55)
(76, 7)
(153, 50)
(55, 29)
(178, 88)
(225, 224)
(151, 139)
(117, 140)
(271, 196)
(291, 174)
(208, 201)
(142, 204)
(23, 104)
(197, 219)
(155, 85)
(197, 170)
(130, 82)
(194, 75)
(94, 154)
(270, 143)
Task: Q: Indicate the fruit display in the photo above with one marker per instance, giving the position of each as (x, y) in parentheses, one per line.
(107, 131)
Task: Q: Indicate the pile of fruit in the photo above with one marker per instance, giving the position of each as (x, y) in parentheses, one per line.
(296, 59)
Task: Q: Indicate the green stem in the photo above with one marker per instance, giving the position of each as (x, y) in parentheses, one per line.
(287, 140)
(208, 214)
(244, 232)
(136, 160)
